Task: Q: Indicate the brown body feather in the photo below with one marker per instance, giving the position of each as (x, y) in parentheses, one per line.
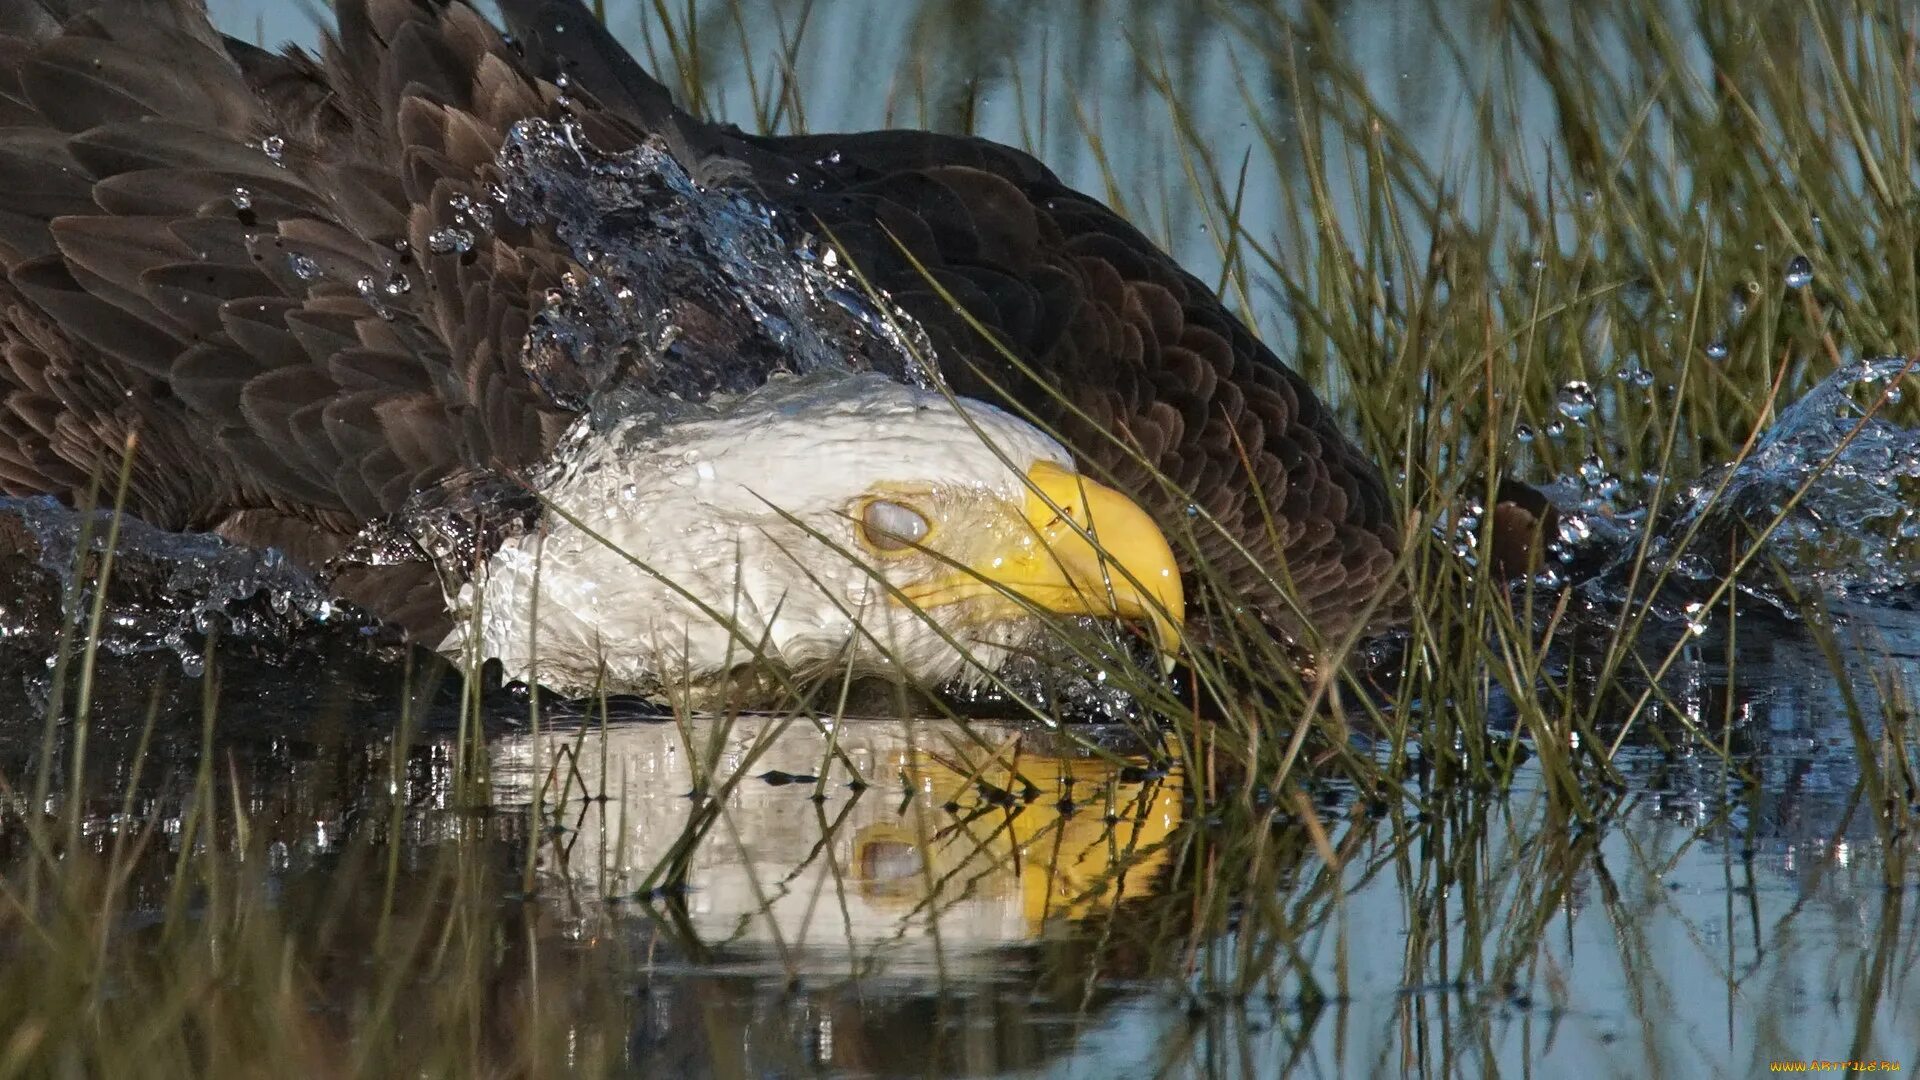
(226, 252)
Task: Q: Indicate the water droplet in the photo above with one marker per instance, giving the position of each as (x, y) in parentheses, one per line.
(275, 148)
(1574, 530)
(1740, 302)
(1717, 349)
(1576, 401)
(450, 240)
(1556, 430)
(398, 285)
(1799, 272)
(242, 198)
(1592, 469)
(1589, 199)
(467, 212)
(368, 292)
(303, 266)
(1696, 618)
(1523, 432)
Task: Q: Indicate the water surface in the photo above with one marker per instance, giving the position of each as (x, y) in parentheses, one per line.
(780, 897)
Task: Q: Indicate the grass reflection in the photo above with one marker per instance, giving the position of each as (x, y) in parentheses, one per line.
(324, 895)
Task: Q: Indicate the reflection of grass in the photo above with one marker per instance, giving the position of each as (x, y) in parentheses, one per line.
(1447, 302)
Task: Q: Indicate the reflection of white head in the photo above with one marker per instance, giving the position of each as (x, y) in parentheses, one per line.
(854, 520)
(887, 883)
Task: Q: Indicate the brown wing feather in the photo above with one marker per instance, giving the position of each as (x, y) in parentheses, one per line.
(260, 319)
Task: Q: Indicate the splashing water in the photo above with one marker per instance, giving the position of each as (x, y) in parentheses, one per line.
(689, 290)
(167, 592)
(1841, 479)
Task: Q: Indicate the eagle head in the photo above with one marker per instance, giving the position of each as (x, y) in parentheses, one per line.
(816, 522)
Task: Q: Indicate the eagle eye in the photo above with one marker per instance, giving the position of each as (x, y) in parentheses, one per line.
(891, 527)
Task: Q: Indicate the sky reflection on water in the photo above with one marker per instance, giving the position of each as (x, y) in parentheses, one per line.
(762, 932)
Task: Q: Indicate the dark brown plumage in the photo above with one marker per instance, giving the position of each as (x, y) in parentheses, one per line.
(159, 181)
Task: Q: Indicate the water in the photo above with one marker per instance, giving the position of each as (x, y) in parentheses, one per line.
(169, 591)
(1013, 900)
(771, 295)
(1822, 510)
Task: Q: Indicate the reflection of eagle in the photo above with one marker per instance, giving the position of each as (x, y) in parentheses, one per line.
(996, 833)
(286, 277)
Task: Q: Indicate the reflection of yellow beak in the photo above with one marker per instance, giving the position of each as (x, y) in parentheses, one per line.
(1057, 865)
(1127, 570)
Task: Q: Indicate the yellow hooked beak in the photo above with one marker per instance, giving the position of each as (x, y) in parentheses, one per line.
(1126, 571)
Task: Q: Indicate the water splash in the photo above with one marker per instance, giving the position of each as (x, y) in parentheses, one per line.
(688, 290)
(168, 590)
(1841, 478)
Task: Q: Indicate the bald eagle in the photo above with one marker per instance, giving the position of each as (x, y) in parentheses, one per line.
(516, 354)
